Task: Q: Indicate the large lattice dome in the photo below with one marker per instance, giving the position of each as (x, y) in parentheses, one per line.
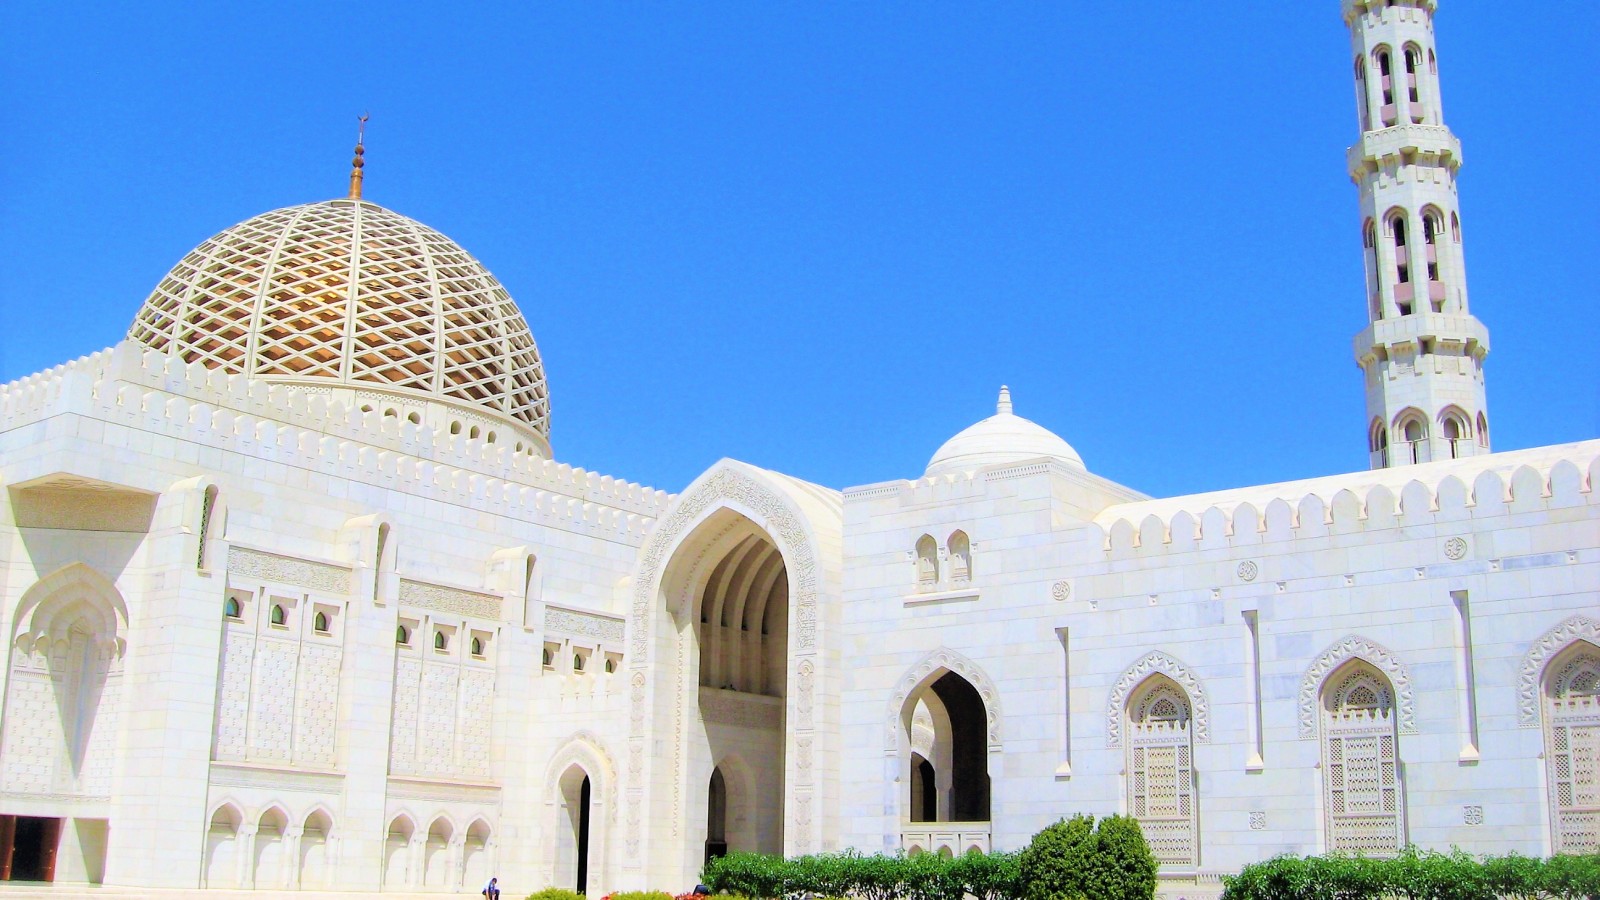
(348, 298)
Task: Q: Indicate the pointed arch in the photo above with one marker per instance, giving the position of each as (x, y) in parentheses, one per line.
(585, 750)
(48, 604)
(1152, 663)
(927, 671)
(1341, 652)
(1530, 675)
(804, 522)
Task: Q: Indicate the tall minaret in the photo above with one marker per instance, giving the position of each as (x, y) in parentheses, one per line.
(1422, 352)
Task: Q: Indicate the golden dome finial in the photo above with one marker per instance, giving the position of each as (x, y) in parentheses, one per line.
(357, 164)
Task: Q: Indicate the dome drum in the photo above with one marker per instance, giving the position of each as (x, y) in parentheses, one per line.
(351, 297)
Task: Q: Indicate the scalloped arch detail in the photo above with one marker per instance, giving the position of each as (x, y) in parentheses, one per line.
(1156, 662)
(948, 660)
(1547, 647)
(1371, 652)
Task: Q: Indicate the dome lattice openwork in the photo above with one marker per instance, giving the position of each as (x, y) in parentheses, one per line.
(349, 293)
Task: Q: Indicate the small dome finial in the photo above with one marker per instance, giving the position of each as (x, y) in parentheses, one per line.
(1003, 407)
(357, 164)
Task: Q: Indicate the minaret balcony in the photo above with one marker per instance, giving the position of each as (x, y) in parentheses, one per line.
(1405, 142)
(1440, 330)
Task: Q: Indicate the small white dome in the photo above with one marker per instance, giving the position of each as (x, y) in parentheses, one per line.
(1001, 438)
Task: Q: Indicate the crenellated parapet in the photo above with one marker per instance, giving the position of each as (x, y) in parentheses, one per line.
(154, 392)
(1505, 484)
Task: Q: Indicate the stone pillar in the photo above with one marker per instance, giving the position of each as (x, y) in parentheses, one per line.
(158, 805)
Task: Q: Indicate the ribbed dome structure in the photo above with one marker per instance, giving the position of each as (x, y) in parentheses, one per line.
(1002, 438)
(350, 298)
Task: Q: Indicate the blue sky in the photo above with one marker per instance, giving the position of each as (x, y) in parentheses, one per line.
(819, 236)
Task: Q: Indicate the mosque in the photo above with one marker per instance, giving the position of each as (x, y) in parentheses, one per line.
(296, 596)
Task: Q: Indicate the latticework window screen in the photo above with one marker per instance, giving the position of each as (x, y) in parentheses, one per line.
(1161, 771)
(1360, 764)
(1572, 738)
(350, 292)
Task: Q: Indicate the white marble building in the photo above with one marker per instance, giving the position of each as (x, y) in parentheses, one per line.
(294, 596)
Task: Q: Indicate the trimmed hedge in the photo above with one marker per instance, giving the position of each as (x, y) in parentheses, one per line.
(927, 876)
(554, 893)
(1075, 860)
(1417, 875)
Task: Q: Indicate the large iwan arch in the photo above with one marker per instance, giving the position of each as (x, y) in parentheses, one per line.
(726, 655)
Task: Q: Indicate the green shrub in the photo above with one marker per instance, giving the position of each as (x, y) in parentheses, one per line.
(1417, 875)
(641, 895)
(554, 893)
(1055, 862)
(746, 874)
(1122, 866)
(987, 876)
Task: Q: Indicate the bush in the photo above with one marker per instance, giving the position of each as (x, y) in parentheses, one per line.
(1417, 875)
(1056, 860)
(987, 876)
(1122, 866)
(1075, 860)
(554, 893)
(640, 895)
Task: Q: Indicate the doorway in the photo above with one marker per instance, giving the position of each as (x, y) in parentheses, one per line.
(583, 837)
(28, 848)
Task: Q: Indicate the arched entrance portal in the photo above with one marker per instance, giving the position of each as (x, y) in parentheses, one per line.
(572, 838)
(726, 589)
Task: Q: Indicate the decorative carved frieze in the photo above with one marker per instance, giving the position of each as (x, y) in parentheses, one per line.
(455, 601)
(304, 573)
(740, 710)
(573, 623)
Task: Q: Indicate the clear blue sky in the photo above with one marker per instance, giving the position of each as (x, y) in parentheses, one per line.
(819, 236)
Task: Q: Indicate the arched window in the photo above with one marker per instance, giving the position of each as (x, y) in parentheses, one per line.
(1457, 431)
(960, 550)
(1378, 443)
(1455, 227)
(548, 658)
(473, 433)
(1412, 430)
(1433, 236)
(402, 635)
(577, 662)
(1386, 85)
(611, 666)
(1402, 262)
(414, 418)
(1572, 747)
(1369, 244)
(1360, 763)
(1483, 431)
(391, 413)
(319, 622)
(440, 642)
(230, 608)
(1363, 102)
(455, 427)
(1160, 767)
(1413, 61)
(278, 616)
(476, 647)
(208, 507)
(927, 563)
